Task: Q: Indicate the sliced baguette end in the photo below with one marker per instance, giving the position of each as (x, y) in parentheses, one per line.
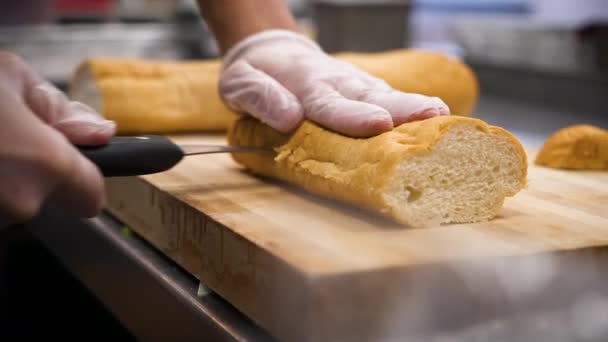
(465, 178)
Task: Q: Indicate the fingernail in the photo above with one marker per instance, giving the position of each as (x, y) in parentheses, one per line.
(86, 124)
(378, 124)
(86, 119)
(442, 107)
(77, 112)
(433, 107)
(433, 111)
(107, 126)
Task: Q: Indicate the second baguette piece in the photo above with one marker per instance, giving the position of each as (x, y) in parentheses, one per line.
(440, 170)
(153, 96)
(578, 147)
(171, 97)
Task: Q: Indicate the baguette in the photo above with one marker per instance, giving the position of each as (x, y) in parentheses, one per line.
(174, 97)
(423, 72)
(578, 147)
(153, 96)
(440, 170)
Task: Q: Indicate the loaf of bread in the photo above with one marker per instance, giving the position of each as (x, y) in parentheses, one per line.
(153, 96)
(439, 170)
(423, 72)
(579, 147)
(173, 97)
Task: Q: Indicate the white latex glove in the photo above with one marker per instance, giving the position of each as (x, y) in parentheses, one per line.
(281, 77)
(37, 158)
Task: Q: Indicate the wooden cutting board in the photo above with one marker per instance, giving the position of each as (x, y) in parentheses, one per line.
(307, 268)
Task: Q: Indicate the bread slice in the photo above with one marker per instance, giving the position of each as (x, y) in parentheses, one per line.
(440, 170)
(171, 97)
(578, 147)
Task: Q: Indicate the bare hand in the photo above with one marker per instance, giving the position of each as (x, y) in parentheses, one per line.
(39, 126)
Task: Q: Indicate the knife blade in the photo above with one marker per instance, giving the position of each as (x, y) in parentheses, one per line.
(147, 154)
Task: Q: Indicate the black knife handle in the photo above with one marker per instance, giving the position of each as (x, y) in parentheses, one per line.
(134, 155)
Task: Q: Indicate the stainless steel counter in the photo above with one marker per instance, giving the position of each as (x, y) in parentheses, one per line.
(150, 295)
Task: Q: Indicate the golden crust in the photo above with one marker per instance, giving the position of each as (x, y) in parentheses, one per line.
(423, 72)
(172, 97)
(344, 168)
(579, 147)
(159, 97)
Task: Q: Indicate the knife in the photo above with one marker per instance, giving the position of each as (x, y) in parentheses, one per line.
(147, 154)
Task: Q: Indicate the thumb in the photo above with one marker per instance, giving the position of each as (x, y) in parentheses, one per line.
(77, 121)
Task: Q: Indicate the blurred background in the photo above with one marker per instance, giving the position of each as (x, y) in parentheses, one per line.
(553, 54)
(541, 64)
(561, 36)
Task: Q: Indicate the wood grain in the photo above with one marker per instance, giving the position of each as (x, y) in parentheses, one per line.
(307, 268)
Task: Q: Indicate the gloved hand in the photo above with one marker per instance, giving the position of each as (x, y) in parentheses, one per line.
(281, 77)
(37, 158)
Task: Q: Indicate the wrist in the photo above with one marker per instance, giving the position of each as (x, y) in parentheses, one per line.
(233, 20)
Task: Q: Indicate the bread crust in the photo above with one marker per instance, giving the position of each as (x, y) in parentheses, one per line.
(354, 170)
(423, 72)
(173, 97)
(155, 97)
(578, 147)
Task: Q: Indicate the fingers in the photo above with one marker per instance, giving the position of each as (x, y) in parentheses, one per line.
(403, 107)
(77, 121)
(50, 170)
(82, 126)
(38, 163)
(329, 108)
(81, 190)
(246, 89)
(24, 184)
